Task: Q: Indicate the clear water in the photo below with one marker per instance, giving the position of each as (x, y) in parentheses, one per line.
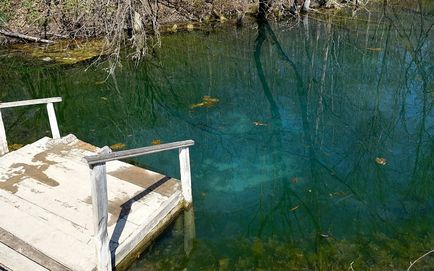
(287, 168)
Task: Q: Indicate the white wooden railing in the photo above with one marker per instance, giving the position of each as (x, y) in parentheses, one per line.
(97, 165)
(51, 116)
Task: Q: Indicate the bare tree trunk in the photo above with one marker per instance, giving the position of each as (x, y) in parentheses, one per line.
(264, 5)
(306, 6)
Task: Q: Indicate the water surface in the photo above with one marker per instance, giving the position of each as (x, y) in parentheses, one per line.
(318, 154)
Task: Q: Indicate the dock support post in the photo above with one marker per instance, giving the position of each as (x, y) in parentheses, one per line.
(184, 163)
(100, 215)
(3, 142)
(53, 121)
(189, 230)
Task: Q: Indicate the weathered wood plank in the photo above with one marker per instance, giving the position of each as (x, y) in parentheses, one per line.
(184, 163)
(31, 102)
(53, 121)
(44, 234)
(98, 179)
(147, 231)
(101, 158)
(3, 141)
(30, 252)
(11, 260)
(44, 174)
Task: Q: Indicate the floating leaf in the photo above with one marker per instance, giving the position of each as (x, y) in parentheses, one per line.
(117, 146)
(373, 49)
(294, 208)
(207, 101)
(156, 142)
(381, 161)
(259, 123)
(337, 194)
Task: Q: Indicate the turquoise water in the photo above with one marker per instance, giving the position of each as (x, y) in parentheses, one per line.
(318, 154)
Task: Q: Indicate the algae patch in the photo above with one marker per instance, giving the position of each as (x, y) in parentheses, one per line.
(63, 52)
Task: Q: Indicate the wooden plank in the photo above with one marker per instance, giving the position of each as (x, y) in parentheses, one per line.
(31, 102)
(45, 236)
(3, 141)
(30, 252)
(98, 178)
(14, 261)
(44, 175)
(154, 223)
(53, 121)
(101, 158)
(184, 163)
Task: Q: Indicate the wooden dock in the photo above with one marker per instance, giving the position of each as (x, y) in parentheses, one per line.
(68, 205)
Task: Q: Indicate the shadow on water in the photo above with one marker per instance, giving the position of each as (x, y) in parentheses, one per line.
(317, 156)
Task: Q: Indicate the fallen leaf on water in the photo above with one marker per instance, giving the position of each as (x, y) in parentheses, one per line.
(197, 105)
(294, 208)
(156, 142)
(207, 101)
(381, 161)
(117, 146)
(337, 194)
(210, 99)
(374, 49)
(259, 123)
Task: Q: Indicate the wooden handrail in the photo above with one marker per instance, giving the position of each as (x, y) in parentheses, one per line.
(98, 178)
(51, 116)
(106, 157)
(31, 102)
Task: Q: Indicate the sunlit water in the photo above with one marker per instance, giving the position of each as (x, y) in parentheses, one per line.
(318, 154)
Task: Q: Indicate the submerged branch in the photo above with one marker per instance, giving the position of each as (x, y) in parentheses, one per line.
(424, 255)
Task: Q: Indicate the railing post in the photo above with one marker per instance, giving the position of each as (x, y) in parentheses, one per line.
(98, 179)
(53, 121)
(184, 165)
(3, 141)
